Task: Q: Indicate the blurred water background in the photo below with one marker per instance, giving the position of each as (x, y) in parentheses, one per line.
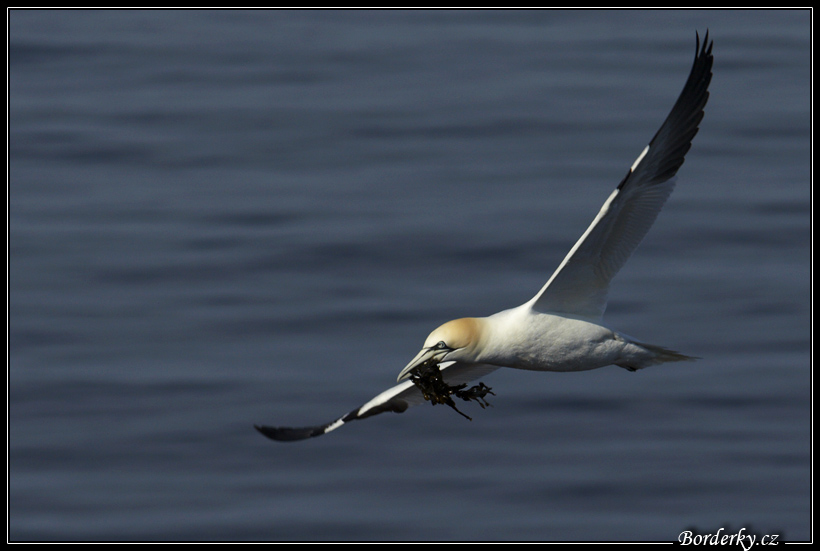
(224, 218)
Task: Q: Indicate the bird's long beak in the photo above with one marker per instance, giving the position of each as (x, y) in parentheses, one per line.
(425, 355)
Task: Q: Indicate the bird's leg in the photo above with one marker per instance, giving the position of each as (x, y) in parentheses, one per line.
(476, 393)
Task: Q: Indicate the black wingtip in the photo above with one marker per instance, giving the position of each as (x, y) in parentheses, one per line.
(290, 434)
(294, 434)
(707, 45)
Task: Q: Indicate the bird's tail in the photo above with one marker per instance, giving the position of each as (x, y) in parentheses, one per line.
(653, 355)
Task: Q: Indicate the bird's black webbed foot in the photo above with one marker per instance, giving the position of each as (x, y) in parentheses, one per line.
(477, 393)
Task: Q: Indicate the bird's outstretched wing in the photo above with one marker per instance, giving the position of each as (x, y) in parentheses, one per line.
(580, 284)
(396, 399)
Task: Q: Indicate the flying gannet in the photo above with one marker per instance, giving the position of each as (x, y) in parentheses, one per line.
(560, 328)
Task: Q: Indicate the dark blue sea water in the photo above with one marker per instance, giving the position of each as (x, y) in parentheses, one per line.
(223, 218)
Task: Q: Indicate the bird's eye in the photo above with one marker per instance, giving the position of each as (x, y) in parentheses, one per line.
(440, 345)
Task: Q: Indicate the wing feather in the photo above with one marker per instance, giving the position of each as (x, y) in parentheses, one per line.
(580, 284)
(396, 399)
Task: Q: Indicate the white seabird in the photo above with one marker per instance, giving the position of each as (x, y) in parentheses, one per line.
(560, 328)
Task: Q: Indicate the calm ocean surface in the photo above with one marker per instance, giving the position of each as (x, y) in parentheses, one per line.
(220, 218)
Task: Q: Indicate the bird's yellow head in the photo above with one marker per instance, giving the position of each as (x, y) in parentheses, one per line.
(455, 340)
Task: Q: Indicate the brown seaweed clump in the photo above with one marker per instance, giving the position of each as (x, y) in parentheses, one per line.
(427, 377)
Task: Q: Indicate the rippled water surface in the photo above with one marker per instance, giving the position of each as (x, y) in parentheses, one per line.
(218, 219)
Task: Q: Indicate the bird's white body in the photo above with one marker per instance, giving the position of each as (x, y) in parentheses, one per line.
(560, 328)
(522, 338)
